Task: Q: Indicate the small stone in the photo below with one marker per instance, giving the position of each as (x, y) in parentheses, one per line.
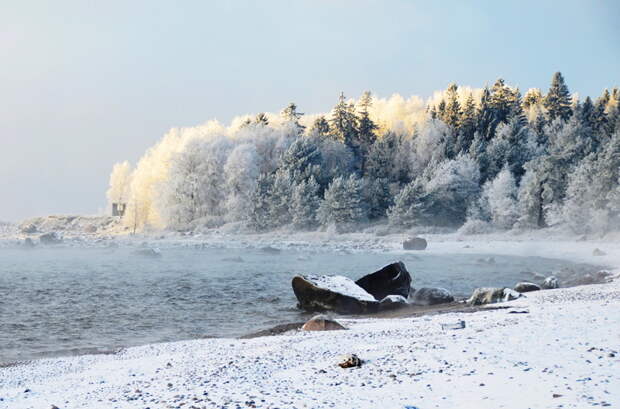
(526, 287)
(322, 323)
(350, 361)
(556, 395)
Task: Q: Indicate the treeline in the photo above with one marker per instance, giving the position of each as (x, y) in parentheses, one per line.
(479, 160)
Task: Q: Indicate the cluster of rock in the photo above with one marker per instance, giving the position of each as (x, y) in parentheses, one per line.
(386, 289)
(388, 286)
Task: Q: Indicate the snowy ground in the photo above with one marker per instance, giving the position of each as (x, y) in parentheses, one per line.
(556, 348)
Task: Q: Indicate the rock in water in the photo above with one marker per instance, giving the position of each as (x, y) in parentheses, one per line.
(432, 296)
(415, 243)
(335, 293)
(598, 252)
(492, 295)
(392, 302)
(148, 252)
(350, 361)
(28, 243)
(393, 279)
(50, 238)
(550, 283)
(321, 323)
(525, 287)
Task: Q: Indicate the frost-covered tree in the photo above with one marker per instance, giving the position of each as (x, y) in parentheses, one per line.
(342, 204)
(467, 126)
(305, 203)
(320, 127)
(409, 207)
(500, 195)
(291, 115)
(260, 216)
(241, 171)
(120, 184)
(558, 99)
(343, 123)
(302, 160)
(453, 183)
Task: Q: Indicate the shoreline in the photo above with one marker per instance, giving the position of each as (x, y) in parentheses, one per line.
(294, 359)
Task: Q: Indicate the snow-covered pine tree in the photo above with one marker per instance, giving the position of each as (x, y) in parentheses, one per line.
(501, 197)
(320, 128)
(558, 99)
(467, 126)
(305, 203)
(260, 211)
(342, 205)
(291, 115)
(280, 196)
(343, 123)
(408, 207)
(452, 113)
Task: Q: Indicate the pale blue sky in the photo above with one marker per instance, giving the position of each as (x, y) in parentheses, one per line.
(86, 84)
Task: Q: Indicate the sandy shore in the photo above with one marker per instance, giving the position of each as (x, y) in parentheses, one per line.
(555, 348)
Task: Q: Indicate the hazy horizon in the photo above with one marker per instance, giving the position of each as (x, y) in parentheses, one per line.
(86, 86)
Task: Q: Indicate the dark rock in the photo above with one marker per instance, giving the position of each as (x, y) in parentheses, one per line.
(321, 323)
(525, 287)
(335, 293)
(415, 243)
(270, 250)
(148, 252)
(432, 296)
(598, 252)
(50, 238)
(28, 243)
(482, 296)
(393, 279)
(350, 361)
(392, 302)
(550, 282)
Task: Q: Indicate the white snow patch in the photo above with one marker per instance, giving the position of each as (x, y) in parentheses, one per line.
(341, 285)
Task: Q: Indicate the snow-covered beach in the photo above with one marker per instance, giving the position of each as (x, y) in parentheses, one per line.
(554, 348)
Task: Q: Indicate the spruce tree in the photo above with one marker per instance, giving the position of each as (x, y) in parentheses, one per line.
(558, 99)
(260, 211)
(290, 114)
(342, 205)
(467, 126)
(305, 204)
(452, 114)
(320, 127)
(344, 122)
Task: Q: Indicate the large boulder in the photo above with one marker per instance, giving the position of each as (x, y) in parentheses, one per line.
(393, 279)
(432, 296)
(50, 238)
(525, 287)
(321, 323)
(415, 243)
(332, 293)
(492, 295)
(392, 302)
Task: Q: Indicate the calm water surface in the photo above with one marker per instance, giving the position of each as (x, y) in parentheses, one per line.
(60, 301)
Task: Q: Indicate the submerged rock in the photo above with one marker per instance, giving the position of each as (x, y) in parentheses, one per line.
(335, 293)
(270, 250)
(415, 243)
(393, 279)
(321, 323)
(550, 283)
(525, 287)
(349, 361)
(28, 243)
(148, 252)
(598, 252)
(392, 302)
(50, 238)
(432, 296)
(487, 295)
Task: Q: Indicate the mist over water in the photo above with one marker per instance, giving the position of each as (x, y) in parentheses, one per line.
(62, 301)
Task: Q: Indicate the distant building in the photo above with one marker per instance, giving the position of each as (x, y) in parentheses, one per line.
(118, 209)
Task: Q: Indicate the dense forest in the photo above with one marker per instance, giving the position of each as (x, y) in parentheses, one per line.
(476, 159)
